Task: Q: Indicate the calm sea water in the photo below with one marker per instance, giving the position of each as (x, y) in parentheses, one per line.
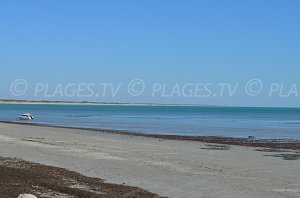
(214, 121)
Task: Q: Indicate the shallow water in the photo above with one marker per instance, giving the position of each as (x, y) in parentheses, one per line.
(178, 120)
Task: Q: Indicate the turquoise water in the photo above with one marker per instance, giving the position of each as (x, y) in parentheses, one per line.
(180, 120)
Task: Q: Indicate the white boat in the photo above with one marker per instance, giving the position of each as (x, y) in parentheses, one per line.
(26, 116)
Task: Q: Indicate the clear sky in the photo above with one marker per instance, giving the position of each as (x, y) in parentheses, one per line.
(158, 41)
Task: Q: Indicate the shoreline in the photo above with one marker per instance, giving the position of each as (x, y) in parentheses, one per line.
(88, 103)
(248, 142)
(100, 104)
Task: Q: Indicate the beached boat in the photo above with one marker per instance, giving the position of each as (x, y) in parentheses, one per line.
(26, 116)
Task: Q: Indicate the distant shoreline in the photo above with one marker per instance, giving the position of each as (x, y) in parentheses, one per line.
(27, 102)
(88, 103)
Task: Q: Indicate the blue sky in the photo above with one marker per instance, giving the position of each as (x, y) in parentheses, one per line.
(165, 41)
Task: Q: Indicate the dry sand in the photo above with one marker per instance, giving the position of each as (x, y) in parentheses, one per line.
(168, 167)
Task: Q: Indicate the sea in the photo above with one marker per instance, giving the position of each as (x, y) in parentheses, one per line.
(262, 123)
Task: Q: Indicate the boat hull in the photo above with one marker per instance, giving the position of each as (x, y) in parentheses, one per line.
(25, 118)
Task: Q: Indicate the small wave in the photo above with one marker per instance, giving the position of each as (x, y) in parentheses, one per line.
(292, 122)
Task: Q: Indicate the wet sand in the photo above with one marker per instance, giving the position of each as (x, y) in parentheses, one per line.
(173, 168)
(250, 142)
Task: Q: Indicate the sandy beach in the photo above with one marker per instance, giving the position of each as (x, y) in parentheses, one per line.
(19, 176)
(172, 168)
